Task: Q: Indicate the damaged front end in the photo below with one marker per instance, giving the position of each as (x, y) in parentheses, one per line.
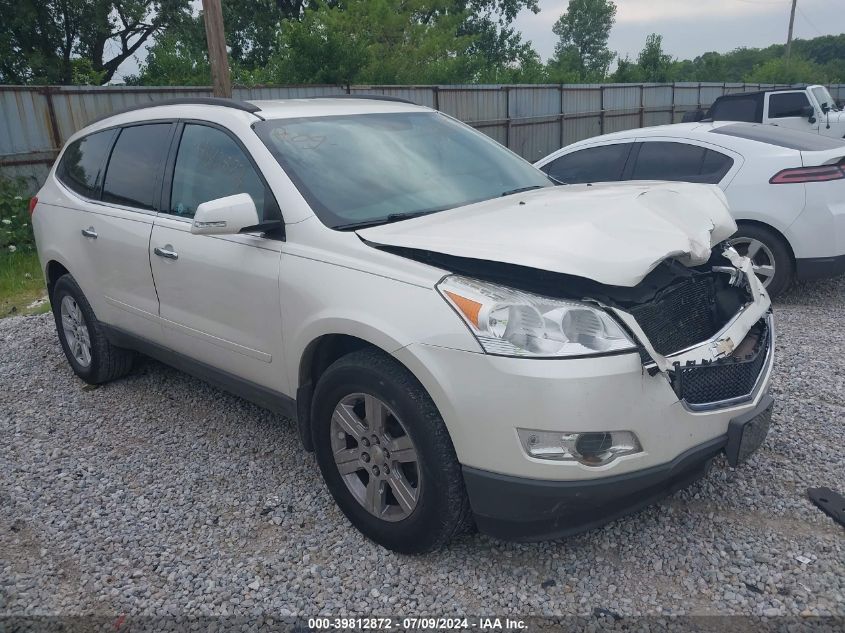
(707, 328)
(711, 333)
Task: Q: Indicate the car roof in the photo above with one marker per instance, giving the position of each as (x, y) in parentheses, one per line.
(739, 136)
(754, 93)
(265, 109)
(331, 106)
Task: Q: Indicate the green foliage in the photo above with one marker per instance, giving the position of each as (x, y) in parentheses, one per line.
(353, 41)
(22, 289)
(583, 31)
(83, 73)
(779, 71)
(359, 41)
(627, 72)
(654, 65)
(820, 60)
(175, 61)
(77, 41)
(15, 226)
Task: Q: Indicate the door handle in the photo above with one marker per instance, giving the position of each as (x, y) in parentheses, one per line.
(90, 232)
(167, 252)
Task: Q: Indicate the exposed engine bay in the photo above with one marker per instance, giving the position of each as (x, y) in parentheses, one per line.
(705, 326)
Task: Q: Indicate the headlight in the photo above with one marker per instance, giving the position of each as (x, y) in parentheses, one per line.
(510, 322)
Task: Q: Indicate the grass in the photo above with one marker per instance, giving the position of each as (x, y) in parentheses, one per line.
(21, 284)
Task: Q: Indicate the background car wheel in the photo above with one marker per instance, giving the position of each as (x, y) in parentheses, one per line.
(88, 351)
(385, 454)
(769, 254)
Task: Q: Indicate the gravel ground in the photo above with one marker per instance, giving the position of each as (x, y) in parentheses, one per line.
(159, 495)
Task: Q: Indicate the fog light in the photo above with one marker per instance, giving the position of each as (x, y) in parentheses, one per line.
(588, 448)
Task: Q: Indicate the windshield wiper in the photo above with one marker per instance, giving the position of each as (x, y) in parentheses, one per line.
(393, 217)
(510, 192)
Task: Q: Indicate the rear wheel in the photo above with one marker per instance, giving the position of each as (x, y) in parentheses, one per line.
(769, 256)
(385, 454)
(90, 354)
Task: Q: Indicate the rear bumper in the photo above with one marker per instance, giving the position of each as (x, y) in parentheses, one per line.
(819, 267)
(522, 509)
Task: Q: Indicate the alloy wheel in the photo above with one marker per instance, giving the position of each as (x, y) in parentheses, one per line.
(375, 457)
(761, 256)
(76, 331)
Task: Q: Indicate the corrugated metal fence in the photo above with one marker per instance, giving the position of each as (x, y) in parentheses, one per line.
(532, 120)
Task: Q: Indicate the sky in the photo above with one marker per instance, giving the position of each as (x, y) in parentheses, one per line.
(692, 27)
(689, 27)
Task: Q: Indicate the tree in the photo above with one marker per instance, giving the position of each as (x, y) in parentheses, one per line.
(778, 71)
(627, 72)
(175, 61)
(352, 41)
(654, 64)
(373, 41)
(44, 41)
(583, 31)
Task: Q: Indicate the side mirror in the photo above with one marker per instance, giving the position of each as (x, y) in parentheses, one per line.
(225, 216)
(810, 113)
(825, 108)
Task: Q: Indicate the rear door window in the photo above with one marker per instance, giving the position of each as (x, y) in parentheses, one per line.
(211, 165)
(83, 162)
(787, 104)
(659, 160)
(593, 164)
(133, 177)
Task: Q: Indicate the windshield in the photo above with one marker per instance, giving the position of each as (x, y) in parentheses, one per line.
(376, 168)
(823, 97)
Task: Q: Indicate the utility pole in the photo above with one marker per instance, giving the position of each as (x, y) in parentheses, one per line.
(212, 13)
(791, 25)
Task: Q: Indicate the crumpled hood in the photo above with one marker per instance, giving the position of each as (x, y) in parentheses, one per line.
(612, 233)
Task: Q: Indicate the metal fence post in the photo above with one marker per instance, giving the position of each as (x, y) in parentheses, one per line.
(55, 135)
(674, 103)
(507, 90)
(561, 117)
(601, 109)
(642, 105)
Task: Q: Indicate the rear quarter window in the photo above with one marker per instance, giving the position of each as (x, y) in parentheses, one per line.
(748, 109)
(83, 162)
(680, 162)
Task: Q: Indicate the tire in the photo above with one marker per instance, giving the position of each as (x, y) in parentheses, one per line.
(105, 362)
(441, 509)
(774, 248)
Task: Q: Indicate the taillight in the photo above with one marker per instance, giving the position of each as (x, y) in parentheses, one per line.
(822, 173)
(32, 202)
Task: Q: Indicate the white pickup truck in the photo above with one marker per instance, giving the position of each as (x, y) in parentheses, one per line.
(811, 109)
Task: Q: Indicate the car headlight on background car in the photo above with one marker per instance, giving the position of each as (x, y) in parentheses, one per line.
(511, 322)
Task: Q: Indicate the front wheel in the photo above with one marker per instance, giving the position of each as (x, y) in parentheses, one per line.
(385, 454)
(769, 256)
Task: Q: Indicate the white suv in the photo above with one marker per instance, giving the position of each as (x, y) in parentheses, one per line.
(457, 339)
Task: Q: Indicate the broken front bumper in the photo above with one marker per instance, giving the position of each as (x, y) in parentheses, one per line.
(521, 509)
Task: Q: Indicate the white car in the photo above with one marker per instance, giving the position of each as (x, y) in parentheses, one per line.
(785, 189)
(457, 339)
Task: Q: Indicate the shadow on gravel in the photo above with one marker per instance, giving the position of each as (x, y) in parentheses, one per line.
(824, 292)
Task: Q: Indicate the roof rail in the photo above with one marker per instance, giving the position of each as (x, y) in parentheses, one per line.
(214, 101)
